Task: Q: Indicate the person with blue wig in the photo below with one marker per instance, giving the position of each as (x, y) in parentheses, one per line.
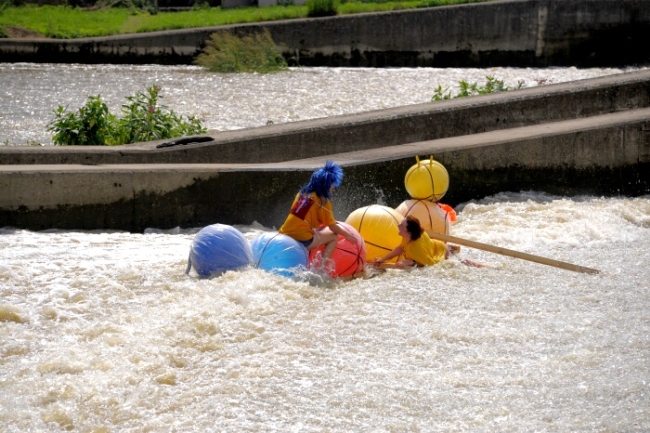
(311, 219)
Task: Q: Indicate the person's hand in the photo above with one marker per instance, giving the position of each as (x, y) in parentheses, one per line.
(377, 262)
(400, 264)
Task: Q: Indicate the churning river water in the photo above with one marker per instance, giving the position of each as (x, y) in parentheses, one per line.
(102, 331)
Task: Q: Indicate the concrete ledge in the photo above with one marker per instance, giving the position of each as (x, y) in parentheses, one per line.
(608, 154)
(585, 137)
(370, 130)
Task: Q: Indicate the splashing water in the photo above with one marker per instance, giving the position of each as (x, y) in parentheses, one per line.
(103, 331)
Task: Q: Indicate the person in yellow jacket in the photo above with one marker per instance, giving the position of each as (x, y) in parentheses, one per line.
(311, 219)
(417, 248)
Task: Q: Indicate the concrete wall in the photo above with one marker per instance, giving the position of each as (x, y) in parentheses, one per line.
(610, 157)
(604, 153)
(538, 33)
(370, 130)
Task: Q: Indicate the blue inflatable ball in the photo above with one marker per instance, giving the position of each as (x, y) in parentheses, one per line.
(219, 248)
(278, 253)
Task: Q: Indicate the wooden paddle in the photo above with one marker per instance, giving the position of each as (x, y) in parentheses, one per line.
(512, 253)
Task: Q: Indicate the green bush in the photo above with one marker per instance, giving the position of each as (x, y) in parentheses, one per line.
(322, 8)
(92, 125)
(143, 120)
(225, 52)
(492, 85)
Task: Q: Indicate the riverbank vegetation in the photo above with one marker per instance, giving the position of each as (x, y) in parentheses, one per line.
(492, 85)
(143, 119)
(64, 22)
(226, 53)
(322, 8)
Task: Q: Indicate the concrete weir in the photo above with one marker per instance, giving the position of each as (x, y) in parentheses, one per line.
(583, 137)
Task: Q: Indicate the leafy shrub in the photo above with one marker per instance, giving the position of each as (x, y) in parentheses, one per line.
(91, 125)
(225, 52)
(492, 85)
(322, 8)
(143, 120)
(3, 32)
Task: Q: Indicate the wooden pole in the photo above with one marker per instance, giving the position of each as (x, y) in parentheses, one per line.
(512, 253)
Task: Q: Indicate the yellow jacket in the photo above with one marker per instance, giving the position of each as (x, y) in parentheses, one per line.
(306, 216)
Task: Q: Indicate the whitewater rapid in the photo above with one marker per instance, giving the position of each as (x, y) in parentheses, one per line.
(102, 331)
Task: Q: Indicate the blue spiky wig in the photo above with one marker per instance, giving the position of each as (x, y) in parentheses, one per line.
(323, 178)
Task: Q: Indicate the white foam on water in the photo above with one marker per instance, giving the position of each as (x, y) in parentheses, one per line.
(103, 331)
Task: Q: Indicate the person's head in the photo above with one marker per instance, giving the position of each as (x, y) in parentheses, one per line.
(323, 179)
(411, 226)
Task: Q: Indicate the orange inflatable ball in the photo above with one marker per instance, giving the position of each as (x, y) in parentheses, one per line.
(450, 211)
(377, 225)
(432, 217)
(348, 258)
(426, 180)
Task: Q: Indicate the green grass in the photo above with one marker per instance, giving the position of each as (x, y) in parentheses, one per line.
(65, 22)
(357, 7)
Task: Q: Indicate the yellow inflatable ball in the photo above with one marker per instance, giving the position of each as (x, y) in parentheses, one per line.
(432, 217)
(377, 225)
(427, 180)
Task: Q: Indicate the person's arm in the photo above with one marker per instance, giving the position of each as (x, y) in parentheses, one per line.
(406, 263)
(396, 252)
(336, 228)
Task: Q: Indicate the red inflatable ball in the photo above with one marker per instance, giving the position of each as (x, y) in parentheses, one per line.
(348, 258)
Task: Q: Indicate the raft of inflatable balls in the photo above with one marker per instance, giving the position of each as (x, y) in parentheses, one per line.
(219, 248)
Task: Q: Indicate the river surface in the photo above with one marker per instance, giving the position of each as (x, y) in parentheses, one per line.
(102, 331)
(29, 93)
